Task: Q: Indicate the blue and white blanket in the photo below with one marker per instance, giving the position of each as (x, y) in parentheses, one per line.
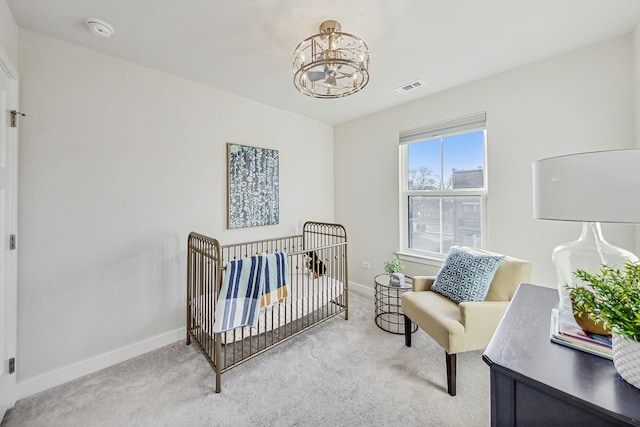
(248, 285)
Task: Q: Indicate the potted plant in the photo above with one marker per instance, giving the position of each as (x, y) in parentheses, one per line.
(395, 267)
(612, 297)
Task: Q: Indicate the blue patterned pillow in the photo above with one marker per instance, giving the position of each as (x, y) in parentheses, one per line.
(466, 276)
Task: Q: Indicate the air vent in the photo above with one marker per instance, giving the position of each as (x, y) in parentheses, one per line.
(409, 86)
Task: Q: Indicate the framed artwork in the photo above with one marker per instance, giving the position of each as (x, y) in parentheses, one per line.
(253, 196)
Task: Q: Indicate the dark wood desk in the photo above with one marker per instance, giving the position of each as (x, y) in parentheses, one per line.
(537, 382)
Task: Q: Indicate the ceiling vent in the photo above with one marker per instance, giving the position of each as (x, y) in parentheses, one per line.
(408, 87)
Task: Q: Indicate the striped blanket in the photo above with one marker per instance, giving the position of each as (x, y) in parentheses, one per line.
(248, 285)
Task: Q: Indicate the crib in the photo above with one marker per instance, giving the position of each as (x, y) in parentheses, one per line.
(315, 295)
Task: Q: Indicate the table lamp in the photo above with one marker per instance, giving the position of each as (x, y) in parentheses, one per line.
(591, 188)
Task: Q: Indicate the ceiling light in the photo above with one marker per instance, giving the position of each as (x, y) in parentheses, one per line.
(99, 27)
(331, 64)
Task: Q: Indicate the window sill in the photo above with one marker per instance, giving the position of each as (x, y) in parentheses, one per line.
(421, 258)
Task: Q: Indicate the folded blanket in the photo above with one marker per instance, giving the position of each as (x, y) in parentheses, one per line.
(276, 278)
(248, 284)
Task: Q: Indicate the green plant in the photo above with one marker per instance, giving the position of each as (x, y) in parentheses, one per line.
(611, 297)
(393, 266)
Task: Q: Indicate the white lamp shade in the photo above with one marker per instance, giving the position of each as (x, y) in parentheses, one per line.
(602, 186)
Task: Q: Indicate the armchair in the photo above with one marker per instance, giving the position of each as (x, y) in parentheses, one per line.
(466, 326)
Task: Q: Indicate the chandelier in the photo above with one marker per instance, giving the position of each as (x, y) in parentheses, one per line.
(331, 64)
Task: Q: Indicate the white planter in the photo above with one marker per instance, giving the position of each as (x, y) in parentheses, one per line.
(396, 279)
(626, 358)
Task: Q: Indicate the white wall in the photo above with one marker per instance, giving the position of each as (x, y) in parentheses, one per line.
(8, 32)
(118, 163)
(579, 101)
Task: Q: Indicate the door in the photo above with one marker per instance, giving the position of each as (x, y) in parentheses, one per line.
(8, 227)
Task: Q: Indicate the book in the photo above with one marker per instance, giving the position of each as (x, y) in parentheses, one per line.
(565, 331)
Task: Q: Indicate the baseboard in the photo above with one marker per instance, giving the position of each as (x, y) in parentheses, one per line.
(362, 290)
(63, 375)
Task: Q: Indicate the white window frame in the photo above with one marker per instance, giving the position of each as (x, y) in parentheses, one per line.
(461, 125)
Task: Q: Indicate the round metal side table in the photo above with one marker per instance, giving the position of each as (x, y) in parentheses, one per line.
(389, 316)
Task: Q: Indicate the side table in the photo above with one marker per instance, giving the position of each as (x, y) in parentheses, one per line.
(389, 316)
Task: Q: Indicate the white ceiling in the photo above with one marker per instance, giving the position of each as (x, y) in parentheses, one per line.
(245, 47)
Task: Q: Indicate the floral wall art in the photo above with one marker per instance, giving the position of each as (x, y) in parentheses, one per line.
(253, 196)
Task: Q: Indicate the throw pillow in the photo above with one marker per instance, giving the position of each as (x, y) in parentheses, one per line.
(466, 276)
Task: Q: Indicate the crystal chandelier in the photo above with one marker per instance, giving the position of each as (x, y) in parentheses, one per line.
(331, 64)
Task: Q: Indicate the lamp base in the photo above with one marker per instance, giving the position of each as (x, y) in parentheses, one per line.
(587, 253)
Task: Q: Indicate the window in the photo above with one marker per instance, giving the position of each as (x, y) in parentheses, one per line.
(443, 185)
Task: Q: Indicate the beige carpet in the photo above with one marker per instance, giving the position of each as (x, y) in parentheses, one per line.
(340, 373)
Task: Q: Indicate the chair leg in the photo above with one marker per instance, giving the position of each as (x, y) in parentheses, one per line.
(451, 374)
(407, 331)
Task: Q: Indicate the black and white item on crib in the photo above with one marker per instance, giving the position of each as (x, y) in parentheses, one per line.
(315, 264)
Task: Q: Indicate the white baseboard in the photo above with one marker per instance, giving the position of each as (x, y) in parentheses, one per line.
(362, 290)
(63, 375)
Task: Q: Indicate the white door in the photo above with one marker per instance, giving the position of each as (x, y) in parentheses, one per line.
(8, 227)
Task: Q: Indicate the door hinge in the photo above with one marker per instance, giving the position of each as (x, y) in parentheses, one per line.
(12, 365)
(14, 117)
(12, 242)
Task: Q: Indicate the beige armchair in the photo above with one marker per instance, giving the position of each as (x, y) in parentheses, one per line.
(466, 326)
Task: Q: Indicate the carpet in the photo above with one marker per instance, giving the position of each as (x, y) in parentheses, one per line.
(339, 373)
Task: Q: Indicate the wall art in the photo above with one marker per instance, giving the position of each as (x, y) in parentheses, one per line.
(253, 196)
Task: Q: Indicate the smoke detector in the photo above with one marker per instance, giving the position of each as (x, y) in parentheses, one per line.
(99, 27)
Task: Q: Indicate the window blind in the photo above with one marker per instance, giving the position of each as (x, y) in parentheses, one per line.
(445, 127)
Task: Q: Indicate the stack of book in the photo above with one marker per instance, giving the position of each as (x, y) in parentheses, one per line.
(565, 331)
